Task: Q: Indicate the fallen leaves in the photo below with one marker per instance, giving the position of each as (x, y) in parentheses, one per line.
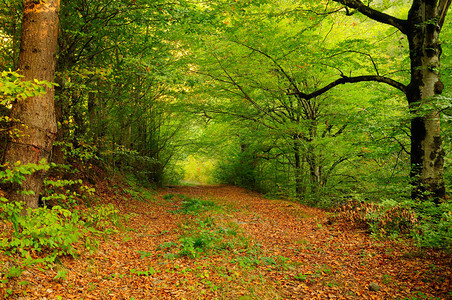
(288, 252)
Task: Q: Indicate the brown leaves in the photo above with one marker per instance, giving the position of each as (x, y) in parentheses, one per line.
(287, 252)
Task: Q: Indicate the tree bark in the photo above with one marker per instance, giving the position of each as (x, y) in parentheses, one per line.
(36, 115)
(424, 26)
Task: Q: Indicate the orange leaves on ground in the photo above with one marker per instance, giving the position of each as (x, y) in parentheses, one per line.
(291, 253)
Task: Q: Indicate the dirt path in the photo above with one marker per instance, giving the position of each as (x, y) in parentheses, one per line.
(235, 244)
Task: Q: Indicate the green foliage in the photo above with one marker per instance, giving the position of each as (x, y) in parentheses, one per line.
(149, 272)
(12, 87)
(40, 236)
(238, 170)
(204, 237)
(103, 218)
(427, 222)
(389, 217)
(138, 191)
(61, 275)
(168, 196)
(16, 174)
(53, 232)
(60, 192)
(43, 235)
(194, 206)
(83, 152)
(434, 228)
(193, 246)
(383, 219)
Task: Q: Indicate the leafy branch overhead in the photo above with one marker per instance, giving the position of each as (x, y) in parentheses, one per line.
(225, 149)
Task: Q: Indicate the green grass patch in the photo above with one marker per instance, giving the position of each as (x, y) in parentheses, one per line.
(194, 206)
(203, 237)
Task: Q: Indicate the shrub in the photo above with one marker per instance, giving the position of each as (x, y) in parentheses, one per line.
(434, 228)
(385, 218)
(49, 231)
(428, 223)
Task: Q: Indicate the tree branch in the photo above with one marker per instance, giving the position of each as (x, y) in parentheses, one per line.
(443, 6)
(376, 15)
(346, 79)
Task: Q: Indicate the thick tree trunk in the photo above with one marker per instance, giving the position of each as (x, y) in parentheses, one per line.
(37, 57)
(426, 145)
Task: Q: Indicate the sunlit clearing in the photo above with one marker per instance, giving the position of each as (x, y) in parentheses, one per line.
(199, 170)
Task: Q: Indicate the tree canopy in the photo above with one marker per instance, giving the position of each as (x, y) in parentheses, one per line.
(316, 101)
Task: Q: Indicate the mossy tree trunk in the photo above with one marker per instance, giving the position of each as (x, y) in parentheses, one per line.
(422, 29)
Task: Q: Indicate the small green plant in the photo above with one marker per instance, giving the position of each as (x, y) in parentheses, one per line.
(434, 228)
(168, 196)
(149, 272)
(13, 88)
(58, 192)
(144, 254)
(166, 245)
(14, 272)
(247, 261)
(61, 275)
(195, 206)
(15, 174)
(41, 235)
(386, 279)
(103, 218)
(140, 193)
(42, 230)
(193, 246)
(301, 277)
(203, 237)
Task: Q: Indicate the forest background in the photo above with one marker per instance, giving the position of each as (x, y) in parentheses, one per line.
(225, 92)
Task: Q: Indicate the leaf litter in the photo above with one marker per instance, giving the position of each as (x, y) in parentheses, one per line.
(224, 242)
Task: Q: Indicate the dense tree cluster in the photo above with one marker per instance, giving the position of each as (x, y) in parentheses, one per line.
(313, 100)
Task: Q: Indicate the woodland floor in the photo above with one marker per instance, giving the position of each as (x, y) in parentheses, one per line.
(244, 247)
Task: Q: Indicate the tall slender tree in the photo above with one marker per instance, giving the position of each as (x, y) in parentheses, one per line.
(35, 115)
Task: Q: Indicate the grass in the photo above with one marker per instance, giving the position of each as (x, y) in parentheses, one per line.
(194, 206)
(204, 237)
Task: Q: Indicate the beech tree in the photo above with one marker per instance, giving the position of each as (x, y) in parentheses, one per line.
(35, 115)
(422, 29)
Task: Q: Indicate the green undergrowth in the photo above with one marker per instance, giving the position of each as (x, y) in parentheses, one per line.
(191, 206)
(39, 237)
(211, 233)
(220, 255)
(139, 191)
(428, 223)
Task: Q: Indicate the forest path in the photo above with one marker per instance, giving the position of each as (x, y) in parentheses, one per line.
(230, 243)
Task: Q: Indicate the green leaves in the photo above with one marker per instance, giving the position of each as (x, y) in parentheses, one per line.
(12, 88)
(17, 172)
(54, 230)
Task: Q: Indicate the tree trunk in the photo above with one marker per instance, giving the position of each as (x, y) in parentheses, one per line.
(426, 145)
(298, 169)
(422, 28)
(312, 159)
(36, 115)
